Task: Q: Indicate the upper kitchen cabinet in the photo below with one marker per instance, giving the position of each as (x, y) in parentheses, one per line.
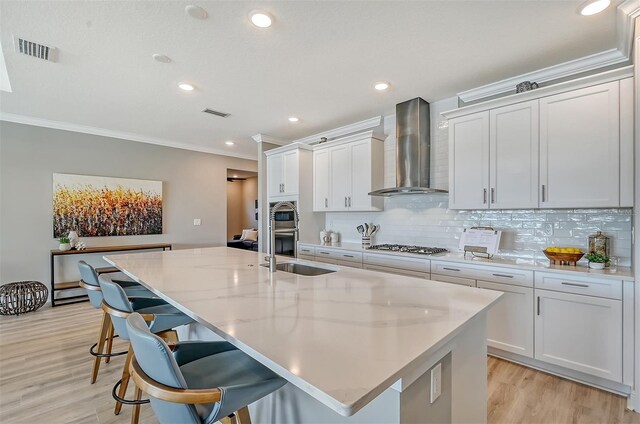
(493, 158)
(580, 148)
(469, 161)
(345, 171)
(568, 145)
(282, 173)
(513, 156)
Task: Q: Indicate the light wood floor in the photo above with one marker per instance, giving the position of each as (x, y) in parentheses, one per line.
(45, 367)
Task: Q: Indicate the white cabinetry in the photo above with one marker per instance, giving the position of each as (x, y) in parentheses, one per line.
(321, 191)
(580, 148)
(510, 321)
(513, 156)
(344, 173)
(563, 146)
(411, 267)
(469, 161)
(578, 332)
(493, 158)
(282, 174)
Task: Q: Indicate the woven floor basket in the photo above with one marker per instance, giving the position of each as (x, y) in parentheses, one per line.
(22, 297)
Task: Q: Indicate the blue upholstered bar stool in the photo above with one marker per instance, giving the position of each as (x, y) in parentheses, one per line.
(162, 318)
(89, 281)
(197, 382)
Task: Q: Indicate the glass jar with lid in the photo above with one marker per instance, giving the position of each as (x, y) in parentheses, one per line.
(599, 243)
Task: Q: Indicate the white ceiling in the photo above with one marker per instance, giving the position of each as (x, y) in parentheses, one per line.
(318, 61)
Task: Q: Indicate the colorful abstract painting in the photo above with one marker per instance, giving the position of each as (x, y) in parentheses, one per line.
(106, 206)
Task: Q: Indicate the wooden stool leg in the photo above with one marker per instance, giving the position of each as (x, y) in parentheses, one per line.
(109, 343)
(135, 416)
(243, 415)
(104, 329)
(225, 420)
(169, 336)
(122, 391)
(233, 419)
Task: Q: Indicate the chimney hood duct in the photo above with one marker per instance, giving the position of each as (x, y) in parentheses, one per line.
(413, 145)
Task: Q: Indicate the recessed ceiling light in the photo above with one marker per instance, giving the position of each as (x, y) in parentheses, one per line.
(229, 143)
(196, 12)
(381, 86)
(186, 86)
(161, 58)
(261, 19)
(235, 175)
(592, 7)
(293, 119)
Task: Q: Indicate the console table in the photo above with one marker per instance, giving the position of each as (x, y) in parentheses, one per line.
(69, 285)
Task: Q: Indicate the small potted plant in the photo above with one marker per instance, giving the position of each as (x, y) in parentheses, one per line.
(596, 260)
(65, 244)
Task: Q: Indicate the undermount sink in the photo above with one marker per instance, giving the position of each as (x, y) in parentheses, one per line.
(301, 269)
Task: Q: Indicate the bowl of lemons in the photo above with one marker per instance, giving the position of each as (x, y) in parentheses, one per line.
(563, 255)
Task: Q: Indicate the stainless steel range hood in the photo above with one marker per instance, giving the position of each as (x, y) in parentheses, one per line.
(413, 145)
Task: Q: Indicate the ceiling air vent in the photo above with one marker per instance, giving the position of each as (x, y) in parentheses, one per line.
(215, 112)
(31, 48)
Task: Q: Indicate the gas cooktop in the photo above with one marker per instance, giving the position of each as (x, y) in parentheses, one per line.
(421, 250)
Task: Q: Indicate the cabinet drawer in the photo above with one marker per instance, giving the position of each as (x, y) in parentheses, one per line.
(348, 263)
(485, 273)
(409, 264)
(588, 286)
(454, 280)
(396, 271)
(342, 255)
(306, 250)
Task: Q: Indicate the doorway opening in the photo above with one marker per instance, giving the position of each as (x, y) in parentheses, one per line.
(242, 209)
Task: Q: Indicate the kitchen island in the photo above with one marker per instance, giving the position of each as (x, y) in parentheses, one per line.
(356, 346)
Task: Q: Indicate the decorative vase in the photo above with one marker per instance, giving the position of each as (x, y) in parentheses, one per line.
(596, 265)
(65, 246)
(73, 238)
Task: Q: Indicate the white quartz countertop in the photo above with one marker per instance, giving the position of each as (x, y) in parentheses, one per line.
(623, 273)
(342, 337)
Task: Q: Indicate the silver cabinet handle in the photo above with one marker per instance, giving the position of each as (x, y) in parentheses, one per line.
(484, 196)
(543, 192)
(283, 187)
(493, 196)
(348, 256)
(324, 253)
(450, 269)
(574, 284)
(326, 202)
(538, 307)
(502, 275)
(349, 201)
(345, 202)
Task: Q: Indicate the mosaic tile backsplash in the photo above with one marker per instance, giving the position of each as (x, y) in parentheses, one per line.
(425, 219)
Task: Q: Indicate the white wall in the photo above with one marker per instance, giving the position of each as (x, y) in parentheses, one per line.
(194, 186)
(426, 220)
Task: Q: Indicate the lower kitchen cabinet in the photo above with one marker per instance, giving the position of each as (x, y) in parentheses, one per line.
(578, 332)
(510, 321)
(454, 280)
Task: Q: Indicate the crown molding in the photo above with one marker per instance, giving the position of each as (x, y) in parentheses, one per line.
(67, 126)
(626, 13)
(264, 138)
(357, 127)
(562, 87)
(562, 70)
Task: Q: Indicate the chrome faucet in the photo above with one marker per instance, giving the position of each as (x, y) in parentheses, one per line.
(271, 257)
